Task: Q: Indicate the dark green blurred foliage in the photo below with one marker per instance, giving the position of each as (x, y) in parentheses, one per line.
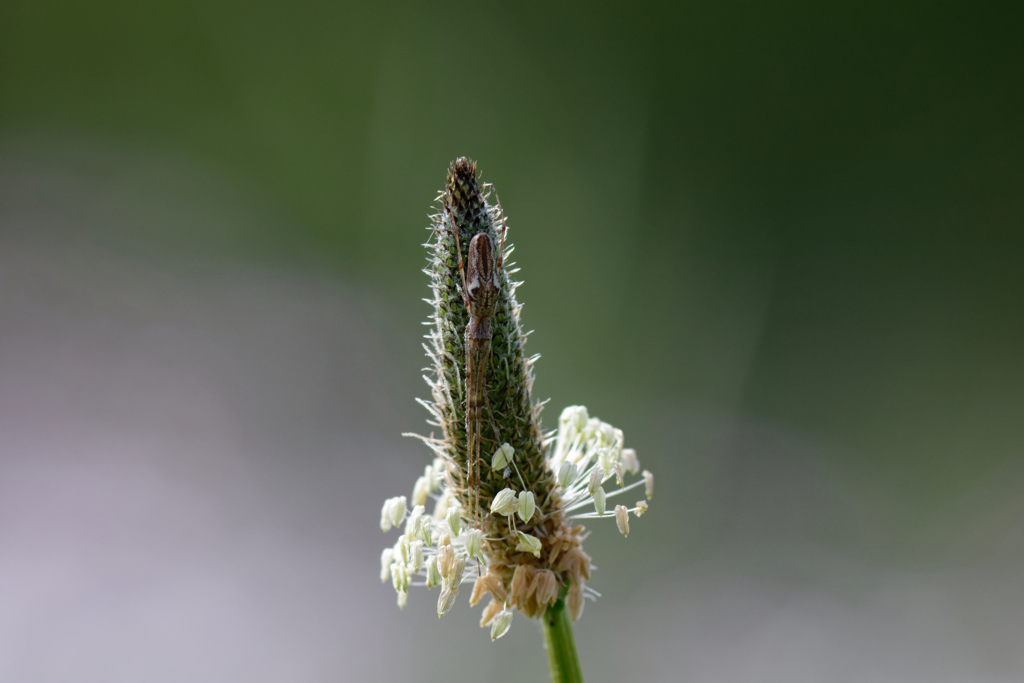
(806, 215)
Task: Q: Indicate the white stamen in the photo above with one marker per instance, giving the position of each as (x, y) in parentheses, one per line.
(622, 519)
(505, 502)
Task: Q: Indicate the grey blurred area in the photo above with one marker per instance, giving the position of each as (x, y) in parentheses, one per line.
(780, 247)
(194, 455)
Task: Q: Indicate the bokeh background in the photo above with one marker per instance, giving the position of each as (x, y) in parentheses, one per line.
(779, 245)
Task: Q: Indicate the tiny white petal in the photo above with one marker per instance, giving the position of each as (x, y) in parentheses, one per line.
(528, 544)
(649, 484)
(402, 549)
(630, 461)
(403, 597)
(458, 570)
(386, 558)
(439, 467)
(433, 478)
(501, 623)
(641, 507)
(445, 559)
(526, 506)
(398, 577)
(472, 541)
(575, 416)
(599, 497)
(567, 474)
(505, 502)
(398, 508)
(413, 522)
(454, 520)
(392, 513)
(596, 477)
(433, 573)
(441, 507)
(502, 457)
(622, 519)
(416, 550)
(420, 491)
(446, 600)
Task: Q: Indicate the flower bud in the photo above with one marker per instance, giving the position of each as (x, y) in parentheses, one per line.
(622, 519)
(528, 544)
(458, 570)
(567, 474)
(445, 559)
(649, 484)
(396, 509)
(599, 500)
(472, 541)
(618, 473)
(413, 522)
(392, 513)
(416, 551)
(402, 549)
(596, 477)
(399, 577)
(570, 424)
(575, 417)
(420, 491)
(545, 587)
(441, 506)
(574, 601)
(446, 600)
(490, 612)
(403, 597)
(505, 502)
(500, 625)
(641, 507)
(522, 577)
(433, 478)
(502, 457)
(433, 573)
(488, 583)
(630, 461)
(454, 520)
(386, 559)
(526, 505)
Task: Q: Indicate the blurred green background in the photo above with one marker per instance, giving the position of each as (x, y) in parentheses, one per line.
(780, 245)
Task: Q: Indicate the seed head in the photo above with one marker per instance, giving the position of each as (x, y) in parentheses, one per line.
(515, 521)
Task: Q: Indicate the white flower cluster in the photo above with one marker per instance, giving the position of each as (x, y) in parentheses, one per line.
(414, 560)
(433, 550)
(445, 550)
(587, 454)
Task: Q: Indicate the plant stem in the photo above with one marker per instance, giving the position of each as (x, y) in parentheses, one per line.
(561, 646)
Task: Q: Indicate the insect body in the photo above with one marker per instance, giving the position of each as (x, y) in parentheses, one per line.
(481, 287)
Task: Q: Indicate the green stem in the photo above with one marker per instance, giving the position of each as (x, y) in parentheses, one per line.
(561, 646)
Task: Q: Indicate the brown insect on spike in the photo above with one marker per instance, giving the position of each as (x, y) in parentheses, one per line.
(481, 295)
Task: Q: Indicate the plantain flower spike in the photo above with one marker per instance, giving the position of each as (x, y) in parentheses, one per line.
(517, 513)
